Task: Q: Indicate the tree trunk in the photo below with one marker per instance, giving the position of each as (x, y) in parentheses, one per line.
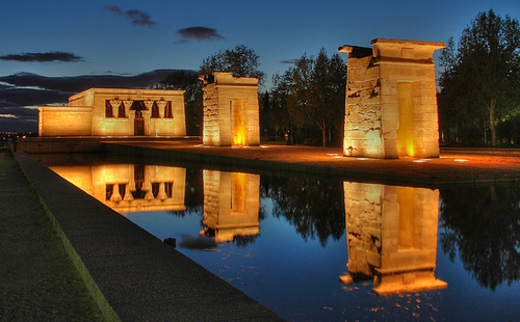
(492, 122)
(323, 126)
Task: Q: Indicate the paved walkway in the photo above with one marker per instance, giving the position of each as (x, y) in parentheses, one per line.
(37, 279)
(455, 166)
(130, 274)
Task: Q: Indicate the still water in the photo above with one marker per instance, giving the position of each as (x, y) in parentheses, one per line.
(315, 249)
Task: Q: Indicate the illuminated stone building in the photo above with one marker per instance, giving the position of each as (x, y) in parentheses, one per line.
(392, 237)
(231, 111)
(116, 112)
(231, 204)
(391, 100)
(130, 188)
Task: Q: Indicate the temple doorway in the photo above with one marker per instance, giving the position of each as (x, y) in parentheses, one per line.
(138, 123)
(238, 123)
(405, 138)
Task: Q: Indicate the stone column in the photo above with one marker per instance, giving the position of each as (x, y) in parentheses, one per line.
(161, 105)
(128, 105)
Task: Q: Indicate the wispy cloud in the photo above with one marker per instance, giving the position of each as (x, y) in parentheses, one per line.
(43, 57)
(199, 34)
(137, 17)
(289, 61)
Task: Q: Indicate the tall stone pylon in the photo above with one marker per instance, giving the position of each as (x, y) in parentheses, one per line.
(231, 110)
(391, 100)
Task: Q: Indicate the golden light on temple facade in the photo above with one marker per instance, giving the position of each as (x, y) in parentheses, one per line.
(231, 110)
(391, 100)
(392, 237)
(116, 112)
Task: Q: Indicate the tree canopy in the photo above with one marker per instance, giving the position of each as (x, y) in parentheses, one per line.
(479, 84)
(241, 61)
(313, 93)
(189, 82)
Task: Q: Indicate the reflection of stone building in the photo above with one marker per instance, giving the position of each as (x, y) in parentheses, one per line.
(392, 236)
(117, 112)
(231, 112)
(391, 100)
(231, 204)
(130, 188)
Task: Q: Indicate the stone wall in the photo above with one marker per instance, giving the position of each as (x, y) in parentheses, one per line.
(231, 110)
(391, 100)
(65, 121)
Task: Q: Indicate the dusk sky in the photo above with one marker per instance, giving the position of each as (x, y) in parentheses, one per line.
(74, 38)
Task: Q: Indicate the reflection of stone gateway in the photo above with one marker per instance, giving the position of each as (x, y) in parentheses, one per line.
(391, 100)
(392, 236)
(231, 204)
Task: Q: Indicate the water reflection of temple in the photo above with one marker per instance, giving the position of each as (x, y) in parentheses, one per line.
(392, 237)
(231, 204)
(130, 188)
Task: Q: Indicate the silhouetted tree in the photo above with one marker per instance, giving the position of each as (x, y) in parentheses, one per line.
(241, 61)
(278, 115)
(479, 84)
(315, 93)
(189, 82)
(482, 225)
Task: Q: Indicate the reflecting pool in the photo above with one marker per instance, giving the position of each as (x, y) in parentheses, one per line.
(323, 249)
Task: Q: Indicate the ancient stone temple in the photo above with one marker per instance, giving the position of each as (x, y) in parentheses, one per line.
(231, 112)
(231, 204)
(116, 112)
(392, 237)
(391, 100)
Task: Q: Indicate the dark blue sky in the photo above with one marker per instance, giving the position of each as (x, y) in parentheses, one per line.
(71, 38)
(130, 37)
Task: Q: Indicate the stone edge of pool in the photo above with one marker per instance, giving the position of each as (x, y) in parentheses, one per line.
(131, 274)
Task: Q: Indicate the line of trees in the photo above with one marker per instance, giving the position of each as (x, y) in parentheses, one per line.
(479, 92)
(307, 102)
(479, 97)
(305, 105)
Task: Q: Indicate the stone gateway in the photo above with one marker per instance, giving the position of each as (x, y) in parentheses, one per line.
(231, 111)
(391, 100)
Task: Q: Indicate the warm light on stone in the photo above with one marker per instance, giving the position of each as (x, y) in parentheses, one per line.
(116, 112)
(391, 100)
(231, 204)
(392, 237)
(130, 188)
(231, 111)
